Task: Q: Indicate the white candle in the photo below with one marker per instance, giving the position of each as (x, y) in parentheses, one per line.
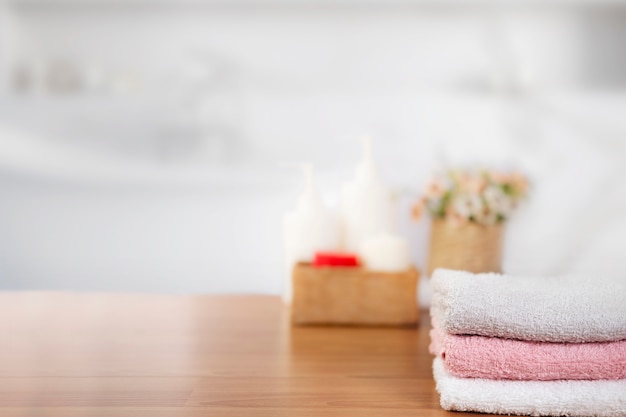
(310, 228)
(387, 253)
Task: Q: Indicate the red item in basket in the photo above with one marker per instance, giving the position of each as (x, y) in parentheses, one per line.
(335, 259)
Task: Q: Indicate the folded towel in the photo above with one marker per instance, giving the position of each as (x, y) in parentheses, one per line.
(533, 398)
(558, 309)
(495, 358)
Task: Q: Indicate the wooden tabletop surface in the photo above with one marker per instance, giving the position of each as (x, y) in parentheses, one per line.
(66, 354)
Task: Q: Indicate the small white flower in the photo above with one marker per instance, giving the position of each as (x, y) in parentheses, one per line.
(468, 205)
(497, 201)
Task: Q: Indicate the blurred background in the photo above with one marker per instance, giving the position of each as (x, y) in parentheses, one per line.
(141, 141)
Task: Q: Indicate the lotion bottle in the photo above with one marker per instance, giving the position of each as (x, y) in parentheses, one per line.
(367, 205)
(310, 228)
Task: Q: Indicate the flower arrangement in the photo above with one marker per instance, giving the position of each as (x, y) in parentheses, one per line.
(478, 196)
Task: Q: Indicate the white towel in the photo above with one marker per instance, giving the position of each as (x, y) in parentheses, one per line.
(557, 309)
(600, 398)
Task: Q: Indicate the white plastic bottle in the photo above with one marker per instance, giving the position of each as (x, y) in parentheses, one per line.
(367, 205)
(311, 227)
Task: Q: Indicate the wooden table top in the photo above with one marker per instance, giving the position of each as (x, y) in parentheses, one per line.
(66, 354)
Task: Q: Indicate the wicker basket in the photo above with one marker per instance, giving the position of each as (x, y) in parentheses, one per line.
(354, 296)
(471, 247)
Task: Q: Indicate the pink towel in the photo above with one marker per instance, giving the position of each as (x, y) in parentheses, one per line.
(495, 358)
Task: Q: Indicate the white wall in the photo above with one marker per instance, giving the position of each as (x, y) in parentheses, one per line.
(294, 75)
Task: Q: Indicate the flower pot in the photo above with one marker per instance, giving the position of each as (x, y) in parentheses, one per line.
(469, 247)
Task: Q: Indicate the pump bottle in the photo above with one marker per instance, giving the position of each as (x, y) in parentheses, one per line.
(310, 228)
(367, 205)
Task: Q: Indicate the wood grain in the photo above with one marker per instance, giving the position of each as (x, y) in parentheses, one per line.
(64, 354)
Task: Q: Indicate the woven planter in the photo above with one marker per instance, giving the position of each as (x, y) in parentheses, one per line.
(471, 247)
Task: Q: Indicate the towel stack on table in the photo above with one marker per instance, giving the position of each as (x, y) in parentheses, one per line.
(529, 346)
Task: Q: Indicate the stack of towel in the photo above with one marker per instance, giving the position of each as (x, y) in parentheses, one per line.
(529, 346)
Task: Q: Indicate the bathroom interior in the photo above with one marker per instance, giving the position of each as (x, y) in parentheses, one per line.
(141, 142)
(455, 242)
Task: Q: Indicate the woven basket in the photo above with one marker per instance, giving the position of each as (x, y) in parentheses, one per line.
(471, 247)
(354, 296)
